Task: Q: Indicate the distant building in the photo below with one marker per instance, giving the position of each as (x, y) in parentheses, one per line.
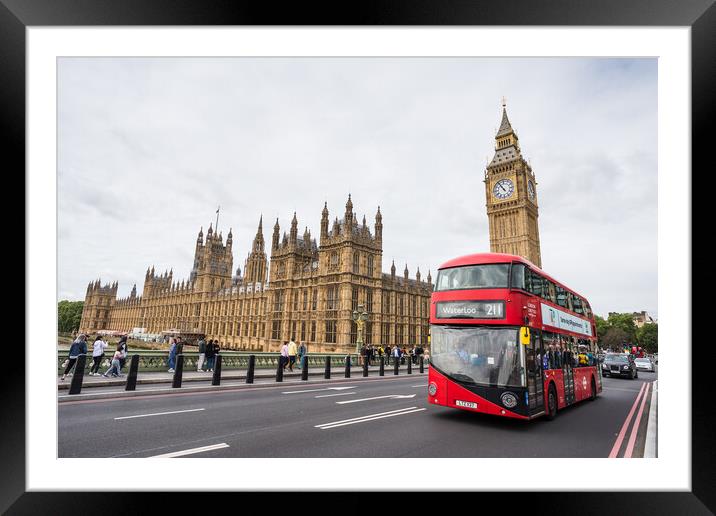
(639, 318)
(306, 291)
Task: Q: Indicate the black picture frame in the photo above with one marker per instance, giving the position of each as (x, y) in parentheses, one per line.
(699, 15)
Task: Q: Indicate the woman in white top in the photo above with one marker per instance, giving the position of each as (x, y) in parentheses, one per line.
(97, 354)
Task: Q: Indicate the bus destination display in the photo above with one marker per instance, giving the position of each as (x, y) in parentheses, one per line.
(470, 310)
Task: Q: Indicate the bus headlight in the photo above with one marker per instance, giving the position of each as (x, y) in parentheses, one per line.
(509, 400)
(432, 388)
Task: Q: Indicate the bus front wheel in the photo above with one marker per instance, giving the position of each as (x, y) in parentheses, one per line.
(551, 403)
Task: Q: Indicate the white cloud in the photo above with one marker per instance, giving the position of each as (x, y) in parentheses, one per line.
(149, 147)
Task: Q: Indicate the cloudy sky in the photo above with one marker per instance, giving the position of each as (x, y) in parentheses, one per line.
(148, 148)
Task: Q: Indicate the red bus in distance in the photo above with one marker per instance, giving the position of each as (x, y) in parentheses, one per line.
(509, 340)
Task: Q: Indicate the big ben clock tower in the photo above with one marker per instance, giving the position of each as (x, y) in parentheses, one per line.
(511, 192)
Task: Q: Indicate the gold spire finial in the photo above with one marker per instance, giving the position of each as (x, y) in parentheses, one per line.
(504, 101)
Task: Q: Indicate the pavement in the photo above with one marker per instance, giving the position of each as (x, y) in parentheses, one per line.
(234, 376)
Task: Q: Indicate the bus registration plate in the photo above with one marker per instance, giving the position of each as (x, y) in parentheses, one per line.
(468, 404)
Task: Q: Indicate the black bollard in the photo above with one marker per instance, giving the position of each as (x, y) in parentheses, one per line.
(78, 375)
(410, 365)
(381, 371)
(396, 365)
(176, 383)
(132, 375)
(365, 368)
(304, 368)
(216, 380)
(348, 366)
(279, 369)
(250, 371)
(327, 372)
(422, 367)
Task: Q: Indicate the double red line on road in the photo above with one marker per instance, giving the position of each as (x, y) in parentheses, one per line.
(643, 392)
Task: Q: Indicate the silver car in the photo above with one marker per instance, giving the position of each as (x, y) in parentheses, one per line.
(644, 364)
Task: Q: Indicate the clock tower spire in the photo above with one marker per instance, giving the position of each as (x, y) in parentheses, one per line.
(510, 189)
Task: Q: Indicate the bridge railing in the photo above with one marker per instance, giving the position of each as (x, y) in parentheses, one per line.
(159, 360)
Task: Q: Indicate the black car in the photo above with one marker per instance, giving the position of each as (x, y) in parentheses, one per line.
(619, 364)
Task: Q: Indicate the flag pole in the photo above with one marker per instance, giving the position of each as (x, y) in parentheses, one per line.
(217, 219)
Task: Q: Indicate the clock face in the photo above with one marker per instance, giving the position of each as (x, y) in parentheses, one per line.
(531, 189)
(503, 189)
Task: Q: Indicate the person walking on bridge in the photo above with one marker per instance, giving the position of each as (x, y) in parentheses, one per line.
(78, 347)
(292, 351)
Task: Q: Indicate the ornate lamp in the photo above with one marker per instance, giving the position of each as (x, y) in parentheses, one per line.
(360, 316)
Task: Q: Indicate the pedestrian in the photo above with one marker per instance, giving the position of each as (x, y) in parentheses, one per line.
(216, 349)
(202, 355)
(387, 353)
(363, 354)
(301, 354)
(114, 366)
(284, 355)
(369, 355)
(172, 355)
(97, 353)
(292, 351)
(78, 347)
(209, 355)
(123, 349)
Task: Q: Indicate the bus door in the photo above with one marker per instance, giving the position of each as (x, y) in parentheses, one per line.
(535, 381)
(568, 376)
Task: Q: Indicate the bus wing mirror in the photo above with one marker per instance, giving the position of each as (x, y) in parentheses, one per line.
(525, 335)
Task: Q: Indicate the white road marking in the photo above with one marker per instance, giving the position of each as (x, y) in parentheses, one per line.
(317, 390)
(370, 417)
(421, 385)
(330, 395)
(189, 452)
(159, 413)
(394, 396)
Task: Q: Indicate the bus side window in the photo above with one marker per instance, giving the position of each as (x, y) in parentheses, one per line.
(518, 276)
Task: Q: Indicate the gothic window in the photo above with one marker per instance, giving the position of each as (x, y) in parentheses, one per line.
(305, 300)
(369, 300)
(370, 265)
(295, 300)
(368, 336)
(386, 302)
(332, 298)
(278, 301)
(334, 260)
(276, 330)
(331, 331)
(303, 330)
(314, 302)
(354, 298)
(356, 262)
(313, 331)
(401, 307)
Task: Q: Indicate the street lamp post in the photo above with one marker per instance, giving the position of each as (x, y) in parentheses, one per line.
(360, 316)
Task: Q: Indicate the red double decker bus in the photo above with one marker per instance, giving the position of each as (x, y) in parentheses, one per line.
(509, 340)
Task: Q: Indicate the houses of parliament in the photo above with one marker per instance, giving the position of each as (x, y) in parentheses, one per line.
(307, 289)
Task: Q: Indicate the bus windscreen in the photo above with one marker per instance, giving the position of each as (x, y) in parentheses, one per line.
(493, 275)
(480, 355)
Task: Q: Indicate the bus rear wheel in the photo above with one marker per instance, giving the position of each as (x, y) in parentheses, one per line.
(551, 403)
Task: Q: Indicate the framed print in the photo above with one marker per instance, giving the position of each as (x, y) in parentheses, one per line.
(335, 169)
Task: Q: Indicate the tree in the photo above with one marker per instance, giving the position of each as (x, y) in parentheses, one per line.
(648, 337)
(624, 322)
(614, 339)
(69, 315)
(602, 327)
